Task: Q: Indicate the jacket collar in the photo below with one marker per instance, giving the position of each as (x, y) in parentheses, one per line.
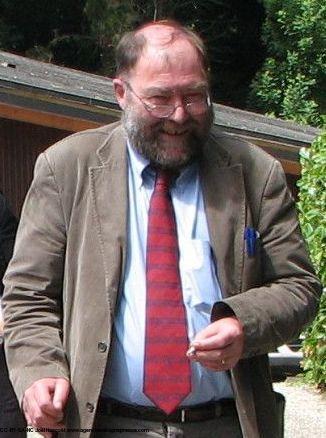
(113, 151)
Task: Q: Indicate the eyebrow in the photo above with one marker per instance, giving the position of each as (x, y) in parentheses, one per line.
(201, 86)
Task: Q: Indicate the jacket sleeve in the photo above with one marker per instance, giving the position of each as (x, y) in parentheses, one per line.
(287, 298)
(32, 300)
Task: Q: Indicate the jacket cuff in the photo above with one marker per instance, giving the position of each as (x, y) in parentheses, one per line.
(221, 310)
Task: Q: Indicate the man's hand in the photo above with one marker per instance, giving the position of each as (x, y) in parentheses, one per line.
(1, 322)
(219, 346)
(44, 403)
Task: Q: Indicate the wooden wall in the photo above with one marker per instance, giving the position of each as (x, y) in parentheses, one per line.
(20, 144)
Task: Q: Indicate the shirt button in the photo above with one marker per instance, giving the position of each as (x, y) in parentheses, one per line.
(102, 347)
(90, 407)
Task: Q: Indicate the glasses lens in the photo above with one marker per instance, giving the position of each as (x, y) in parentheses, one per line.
(198, 107)
(193, 108)
(162, 110)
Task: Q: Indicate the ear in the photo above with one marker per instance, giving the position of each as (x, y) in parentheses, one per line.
(120, 92)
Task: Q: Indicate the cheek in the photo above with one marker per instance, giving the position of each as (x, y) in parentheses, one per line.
(150, 124)
(203, 120)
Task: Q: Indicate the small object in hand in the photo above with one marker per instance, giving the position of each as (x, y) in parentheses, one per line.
(191, 351)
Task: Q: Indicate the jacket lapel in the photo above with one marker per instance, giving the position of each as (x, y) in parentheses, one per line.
(225, 205)
(109, 194)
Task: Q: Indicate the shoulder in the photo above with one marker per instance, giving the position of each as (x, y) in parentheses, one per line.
(71, 158)
(232, 150)
(238, 149)
(81, 145)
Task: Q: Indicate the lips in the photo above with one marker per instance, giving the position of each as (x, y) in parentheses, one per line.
(174, 129)
(174, 132)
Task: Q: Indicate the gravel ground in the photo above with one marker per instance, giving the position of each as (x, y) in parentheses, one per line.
(305, 410)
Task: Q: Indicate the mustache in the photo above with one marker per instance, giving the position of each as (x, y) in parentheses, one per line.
(171, 126)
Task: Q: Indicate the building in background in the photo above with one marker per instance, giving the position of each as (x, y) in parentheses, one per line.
(42, 103)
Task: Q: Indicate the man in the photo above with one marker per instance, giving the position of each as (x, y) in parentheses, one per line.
(11, 417)
(96, 242)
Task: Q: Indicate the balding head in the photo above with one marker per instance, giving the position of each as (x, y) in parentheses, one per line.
(159, 36)
(162, 88)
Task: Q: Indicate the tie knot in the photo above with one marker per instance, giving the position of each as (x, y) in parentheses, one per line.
(163, 180)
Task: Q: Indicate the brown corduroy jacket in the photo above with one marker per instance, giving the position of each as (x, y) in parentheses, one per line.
(63, 281)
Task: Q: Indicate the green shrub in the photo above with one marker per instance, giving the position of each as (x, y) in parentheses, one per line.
(290, 84)
(76, 51)
(312, 216)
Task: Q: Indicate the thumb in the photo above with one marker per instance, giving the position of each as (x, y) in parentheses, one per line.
(61, 392)
(207, 332)
(211, 336)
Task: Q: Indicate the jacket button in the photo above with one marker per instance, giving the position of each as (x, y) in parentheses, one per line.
(90, 407)
(102, 347)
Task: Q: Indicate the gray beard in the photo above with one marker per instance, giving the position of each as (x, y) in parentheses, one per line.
(145, 139)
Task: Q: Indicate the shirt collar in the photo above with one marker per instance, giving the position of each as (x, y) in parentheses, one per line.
(143, 174)
(137, 164)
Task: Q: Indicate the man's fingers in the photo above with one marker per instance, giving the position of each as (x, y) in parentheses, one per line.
(43, 393)
(217, 341)
(218, 335)
(218, 359)
(44, 402)
(61, 392)
(28, 418)
(52, 396)
(218, 366)
(219, 346)
(40, 419)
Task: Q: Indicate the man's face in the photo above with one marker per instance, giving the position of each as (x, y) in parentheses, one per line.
(170, 75)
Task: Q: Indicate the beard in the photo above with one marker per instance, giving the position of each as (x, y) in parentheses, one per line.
(166, 144)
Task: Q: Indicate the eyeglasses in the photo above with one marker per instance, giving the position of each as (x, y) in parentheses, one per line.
(193, 105)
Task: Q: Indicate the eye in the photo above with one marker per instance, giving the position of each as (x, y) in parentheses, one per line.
(194, 97)
(159, 100)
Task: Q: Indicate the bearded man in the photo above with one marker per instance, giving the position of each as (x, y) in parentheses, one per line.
(157, 262)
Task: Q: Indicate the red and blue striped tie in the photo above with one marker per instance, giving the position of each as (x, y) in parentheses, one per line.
(167, 375)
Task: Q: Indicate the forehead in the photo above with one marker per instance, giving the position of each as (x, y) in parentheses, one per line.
(168, 63)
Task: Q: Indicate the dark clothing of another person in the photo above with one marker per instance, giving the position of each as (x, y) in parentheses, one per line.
(11, 419)
(8, 227)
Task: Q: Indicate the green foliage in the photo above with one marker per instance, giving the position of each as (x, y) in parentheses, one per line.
(77, 51)
(314, 349)
(290, 85)
(312, 215)
(230, 28)
(108, 20)
(291, 82)
(36, 22)
(231, 31)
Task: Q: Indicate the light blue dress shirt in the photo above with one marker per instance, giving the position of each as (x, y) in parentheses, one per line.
(124, 376)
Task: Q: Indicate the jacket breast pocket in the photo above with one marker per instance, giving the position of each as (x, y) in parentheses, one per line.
(252, 266)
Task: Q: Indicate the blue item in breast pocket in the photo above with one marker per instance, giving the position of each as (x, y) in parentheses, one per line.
(251, 236)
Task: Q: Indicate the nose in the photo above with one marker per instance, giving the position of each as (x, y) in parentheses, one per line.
(180, 114)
